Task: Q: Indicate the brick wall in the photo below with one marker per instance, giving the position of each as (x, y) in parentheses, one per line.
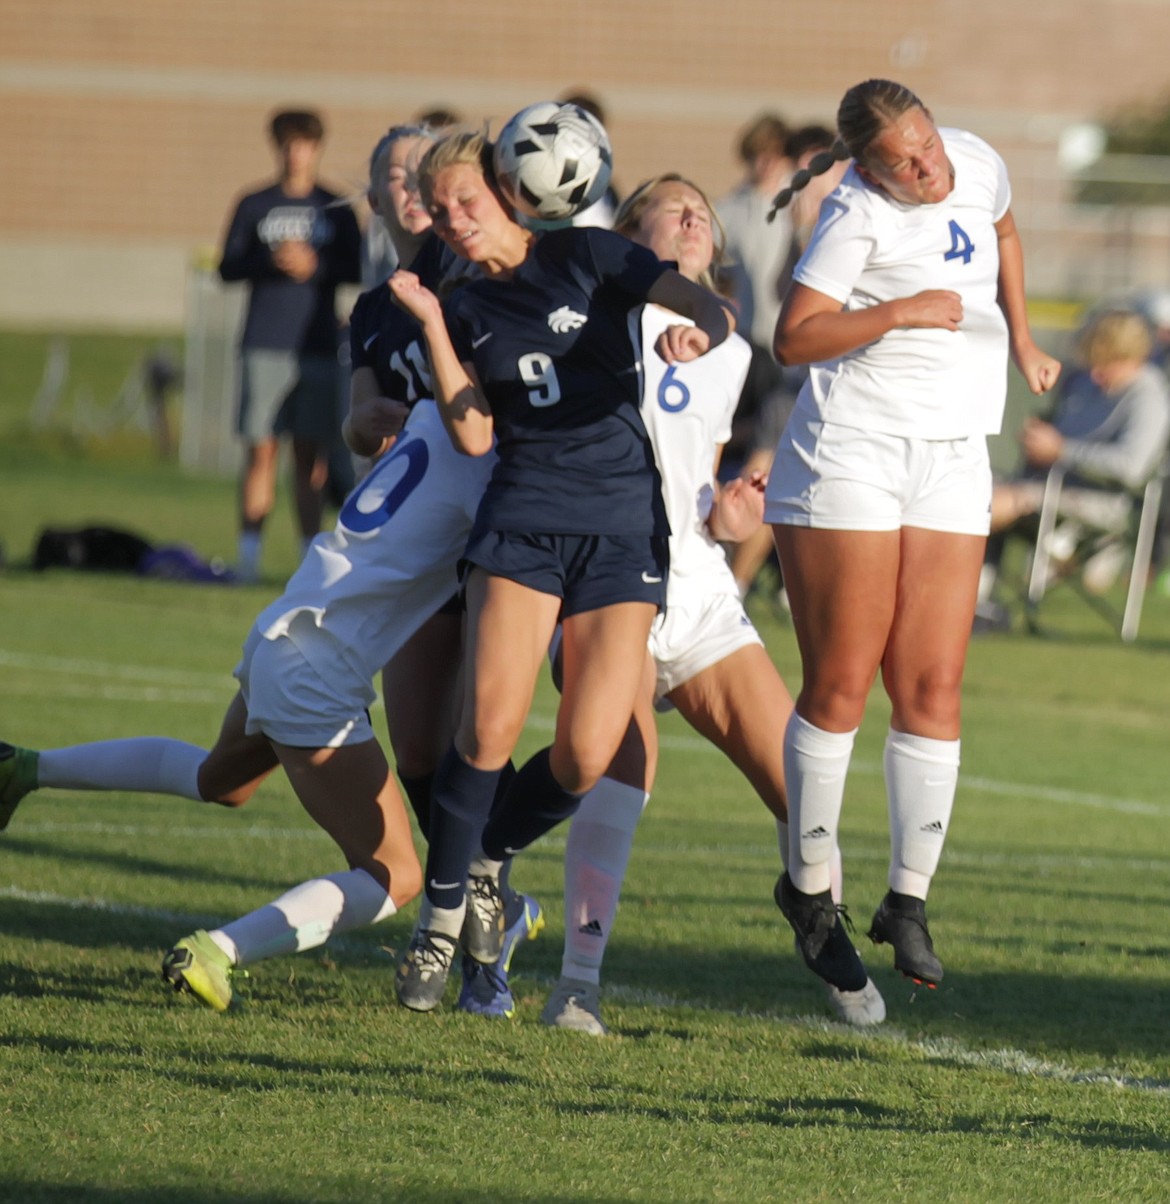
(129, 126)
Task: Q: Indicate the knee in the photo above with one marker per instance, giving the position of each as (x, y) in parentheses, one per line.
(488, 742)
(213, 789)
(928, 700)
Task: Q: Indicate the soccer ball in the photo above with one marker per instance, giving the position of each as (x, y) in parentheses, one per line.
(552, 160)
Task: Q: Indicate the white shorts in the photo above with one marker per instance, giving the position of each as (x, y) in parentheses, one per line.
(842, 478)
(292, 702)
(694, 634)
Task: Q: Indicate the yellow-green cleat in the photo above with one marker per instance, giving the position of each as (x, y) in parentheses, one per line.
(18, 775)
(198, 966)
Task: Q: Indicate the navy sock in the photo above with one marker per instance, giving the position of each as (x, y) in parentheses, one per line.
(512, 901)
(460, 802)
(418, 792)
(534, 804)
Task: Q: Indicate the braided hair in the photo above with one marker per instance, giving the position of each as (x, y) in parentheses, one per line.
(865, 110)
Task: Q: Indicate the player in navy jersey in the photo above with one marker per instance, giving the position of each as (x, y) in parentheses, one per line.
(536, 354)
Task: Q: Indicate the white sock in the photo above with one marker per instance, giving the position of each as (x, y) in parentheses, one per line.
(305, 917)
(596, 855)
(152, 763)
(836, 872)
(483, 866)
(921, 776)
(447, 920)
(815, 765)
(248, 555)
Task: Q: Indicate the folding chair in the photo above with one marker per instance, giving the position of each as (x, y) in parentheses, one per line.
(1137, 538)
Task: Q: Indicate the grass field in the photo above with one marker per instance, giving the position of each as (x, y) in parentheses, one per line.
(1040, 1071)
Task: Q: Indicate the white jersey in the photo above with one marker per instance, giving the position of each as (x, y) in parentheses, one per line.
(390, 563)
(687, 410)
(867, 249)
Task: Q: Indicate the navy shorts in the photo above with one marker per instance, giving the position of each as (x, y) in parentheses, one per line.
(586, 571)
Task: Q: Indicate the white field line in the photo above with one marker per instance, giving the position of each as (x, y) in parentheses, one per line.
(1015, 1062)
(163, 685)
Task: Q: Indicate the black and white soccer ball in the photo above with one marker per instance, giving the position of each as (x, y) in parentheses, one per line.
(553, 160)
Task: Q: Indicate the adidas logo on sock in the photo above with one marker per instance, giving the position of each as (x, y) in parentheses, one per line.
(935, 828)
(593, 928)
(817, 833)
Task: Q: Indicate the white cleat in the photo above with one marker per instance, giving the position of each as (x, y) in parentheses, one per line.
(859, 1008)
(576, 1005)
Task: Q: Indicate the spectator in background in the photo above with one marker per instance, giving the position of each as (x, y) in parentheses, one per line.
(293, 242)
(777, 395)
(600, 213)
(757, 249)
(1109, 430)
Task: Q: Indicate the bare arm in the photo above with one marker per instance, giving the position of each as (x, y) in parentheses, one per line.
(813, 327)
(1038, 368)
(373, 421)
(462, 406)
(713, 319)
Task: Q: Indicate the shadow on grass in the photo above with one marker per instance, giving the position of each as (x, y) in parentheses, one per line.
(181, 869)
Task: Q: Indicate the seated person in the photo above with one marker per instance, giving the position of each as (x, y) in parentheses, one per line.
(1109, 430)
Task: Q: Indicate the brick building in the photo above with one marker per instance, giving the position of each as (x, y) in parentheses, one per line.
(128, 127)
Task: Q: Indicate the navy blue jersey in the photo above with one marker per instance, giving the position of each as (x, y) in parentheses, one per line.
(384, 337)
(553, 352)
(284, 314)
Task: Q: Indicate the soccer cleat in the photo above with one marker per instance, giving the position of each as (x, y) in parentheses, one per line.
(860, 1008)
(576, 1005)
(900, 920)
(485, 991)
(198, 966)
(483, 922)
(422, 973)
(819, 924)
(18, 776)
(526, 927)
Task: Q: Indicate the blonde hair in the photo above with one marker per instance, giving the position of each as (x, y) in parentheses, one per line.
(469, 147)
(865, 110)
(1112, 336)
(628, 219)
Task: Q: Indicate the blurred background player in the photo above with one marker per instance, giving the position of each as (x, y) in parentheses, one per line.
(776, 389)
(293, 242)
(709, 661)
(756, 248)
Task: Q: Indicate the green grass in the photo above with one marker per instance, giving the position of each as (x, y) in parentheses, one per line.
(1040, 1071)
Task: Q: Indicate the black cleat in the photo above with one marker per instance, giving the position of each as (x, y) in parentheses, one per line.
(900, 920)
(819, 924)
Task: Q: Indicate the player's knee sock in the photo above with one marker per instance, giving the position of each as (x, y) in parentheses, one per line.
(596, 855)
(248, 555)
(836, 874)
(461, 799)
(418, 794)
(305, 917)
(533, 805)
(152, 763)
(815, 765)
(921, 777)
